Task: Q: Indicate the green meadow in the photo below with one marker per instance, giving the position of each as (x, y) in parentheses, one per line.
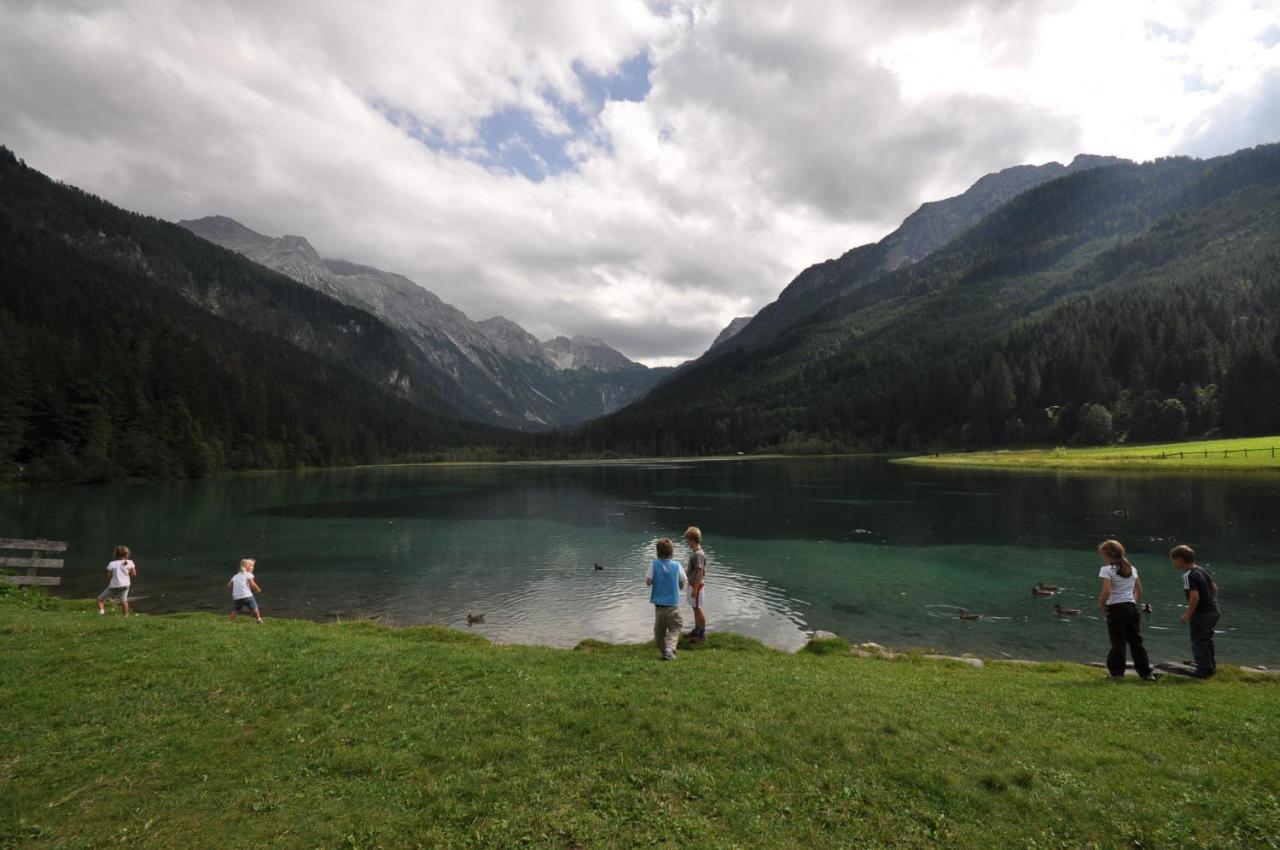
(187, 731)
(1242, 454)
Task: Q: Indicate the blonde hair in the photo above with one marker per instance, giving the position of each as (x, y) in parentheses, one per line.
(693, 533)
(1113, 551)
(246, 563)
(666, 549)
(121, 553)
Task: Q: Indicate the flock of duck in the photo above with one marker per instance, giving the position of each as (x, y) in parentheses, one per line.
(1042, 589)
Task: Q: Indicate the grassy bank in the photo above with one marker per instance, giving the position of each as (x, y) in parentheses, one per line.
(186, 731)
(1238, 455)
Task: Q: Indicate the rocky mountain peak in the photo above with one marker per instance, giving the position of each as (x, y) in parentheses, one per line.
(492, 370)
(586, 352)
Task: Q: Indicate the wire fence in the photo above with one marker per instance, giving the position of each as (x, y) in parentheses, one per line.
(1192, 455)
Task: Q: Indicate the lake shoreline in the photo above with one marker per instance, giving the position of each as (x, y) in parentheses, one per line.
(431, 737)
(821, 637)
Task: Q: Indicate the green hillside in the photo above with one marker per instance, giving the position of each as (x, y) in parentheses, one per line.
(128, 347)
(187, 731)
(1134, 302)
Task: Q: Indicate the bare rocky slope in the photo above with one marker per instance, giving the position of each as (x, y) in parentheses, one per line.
(492, 370)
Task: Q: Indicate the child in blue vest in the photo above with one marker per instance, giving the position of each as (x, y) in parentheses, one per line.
(666, 578)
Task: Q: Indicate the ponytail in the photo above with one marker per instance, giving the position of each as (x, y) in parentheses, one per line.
(1113, 551)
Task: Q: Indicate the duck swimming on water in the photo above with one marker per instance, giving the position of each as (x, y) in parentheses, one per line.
(969, 615)
(1066, 612)
(1039, 590)
(473, 619)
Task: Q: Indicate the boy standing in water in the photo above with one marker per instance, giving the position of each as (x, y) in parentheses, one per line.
(666, 578)
(697, 572)
(122, 570)
(242, 589)
(1202, 608)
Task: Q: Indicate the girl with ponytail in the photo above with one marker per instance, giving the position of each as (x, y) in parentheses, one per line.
(1121, 593)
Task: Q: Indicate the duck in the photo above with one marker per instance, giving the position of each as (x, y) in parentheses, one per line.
(598, 567)
(473, 619)
(1066, 612)
(1050, 587)
(1039, 590)
(969, 615)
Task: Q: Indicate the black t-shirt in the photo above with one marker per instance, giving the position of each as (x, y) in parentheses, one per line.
(1199, 580)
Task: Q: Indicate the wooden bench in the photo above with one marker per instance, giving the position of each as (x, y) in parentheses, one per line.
(31, 561)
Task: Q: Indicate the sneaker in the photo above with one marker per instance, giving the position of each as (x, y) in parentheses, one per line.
(668, 655)
(1152, 676)
(101, 612)
(697, 637)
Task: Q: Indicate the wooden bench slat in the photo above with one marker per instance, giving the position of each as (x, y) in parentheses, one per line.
(32, 579)
(33, 545)
(32, 563)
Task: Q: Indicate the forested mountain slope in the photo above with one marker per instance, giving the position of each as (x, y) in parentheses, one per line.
(932, 226)
(130, 347)
(492, 370)
(1125, 302)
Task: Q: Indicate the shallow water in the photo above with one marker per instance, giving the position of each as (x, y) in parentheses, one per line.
(857, 546)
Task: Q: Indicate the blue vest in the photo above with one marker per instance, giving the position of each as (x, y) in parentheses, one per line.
(666, 583)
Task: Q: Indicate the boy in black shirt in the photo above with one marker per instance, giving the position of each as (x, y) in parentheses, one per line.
(1202, 608)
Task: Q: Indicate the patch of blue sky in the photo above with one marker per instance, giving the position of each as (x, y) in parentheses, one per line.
(510, 139)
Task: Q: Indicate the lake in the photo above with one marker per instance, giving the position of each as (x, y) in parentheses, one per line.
(870, 550)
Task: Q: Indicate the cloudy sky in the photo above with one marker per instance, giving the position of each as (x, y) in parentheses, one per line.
(639, 171)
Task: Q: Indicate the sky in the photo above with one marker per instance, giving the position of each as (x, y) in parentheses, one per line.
(638, 171)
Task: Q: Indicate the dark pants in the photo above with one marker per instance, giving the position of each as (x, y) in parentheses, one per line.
(1202, 624)
(1123, 620)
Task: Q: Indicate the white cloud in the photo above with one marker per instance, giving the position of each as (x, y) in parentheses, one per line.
(774, 136)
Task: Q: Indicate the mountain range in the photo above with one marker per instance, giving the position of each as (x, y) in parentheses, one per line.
(1098, 301)
(492, 370)
(1104, 300)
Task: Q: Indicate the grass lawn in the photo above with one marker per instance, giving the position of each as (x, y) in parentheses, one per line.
(1243, 454)
(185, 731)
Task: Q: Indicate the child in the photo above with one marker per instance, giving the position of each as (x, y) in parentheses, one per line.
(697, 572)
(242, 589)
(667, 579)
(1118, 600)
(1202, 608)
(122, 570)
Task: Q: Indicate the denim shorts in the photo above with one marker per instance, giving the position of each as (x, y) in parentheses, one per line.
(120, 594)
(247, 603)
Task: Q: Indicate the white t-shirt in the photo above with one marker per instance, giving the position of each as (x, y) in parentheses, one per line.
(120, 573)
(1121, 587)
(240, 588)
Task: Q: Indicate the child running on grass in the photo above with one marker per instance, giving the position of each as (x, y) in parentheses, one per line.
(242, 589)
(1202, 608)
(122, 570)
(667, 579)
(697, 572)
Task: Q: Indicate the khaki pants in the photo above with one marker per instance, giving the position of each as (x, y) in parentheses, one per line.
(666, 627)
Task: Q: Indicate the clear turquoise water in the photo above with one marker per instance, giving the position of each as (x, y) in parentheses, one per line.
(860, 547)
